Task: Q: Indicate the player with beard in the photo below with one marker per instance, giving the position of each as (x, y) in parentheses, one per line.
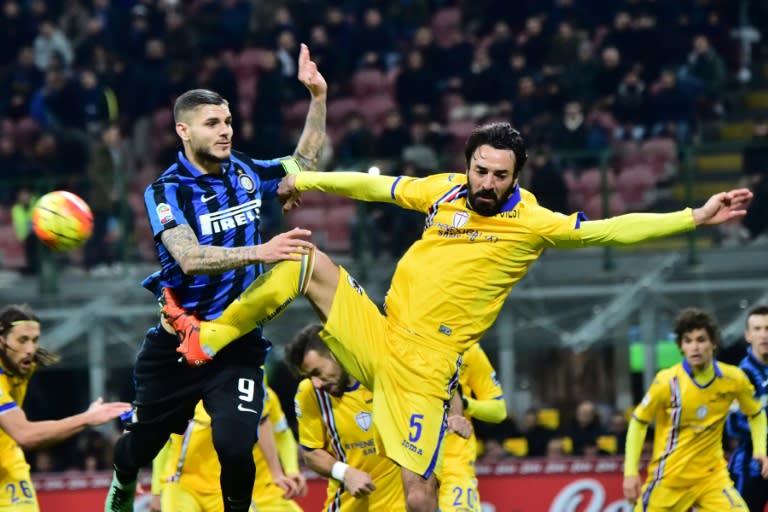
(483, 231)
(336, 431)
(20, 356)
(205, 214)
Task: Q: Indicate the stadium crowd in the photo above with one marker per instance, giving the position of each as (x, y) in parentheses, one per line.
(87, 87)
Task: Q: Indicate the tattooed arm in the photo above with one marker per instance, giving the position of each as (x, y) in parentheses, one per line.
(194, 258)
(312, 137)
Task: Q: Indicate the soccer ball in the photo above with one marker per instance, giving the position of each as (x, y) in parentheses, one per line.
(62, 220)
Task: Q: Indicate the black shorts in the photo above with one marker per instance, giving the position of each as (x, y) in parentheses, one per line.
(167, 390)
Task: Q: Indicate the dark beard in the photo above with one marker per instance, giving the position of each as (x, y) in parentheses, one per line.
(486, 210)
(205, 158)
(344, 383)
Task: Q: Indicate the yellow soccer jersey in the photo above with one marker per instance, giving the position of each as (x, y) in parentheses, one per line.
(478, 379)
(343, 427)
(13, 466)
(687, 444)
(466, 262)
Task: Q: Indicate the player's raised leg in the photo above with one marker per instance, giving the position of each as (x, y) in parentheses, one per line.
(265, 299)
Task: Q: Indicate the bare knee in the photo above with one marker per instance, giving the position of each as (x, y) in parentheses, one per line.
(420, 494)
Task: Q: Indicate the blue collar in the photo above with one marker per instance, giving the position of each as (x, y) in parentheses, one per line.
(513, 200)
(192, 168)
(353, 387)
(689, 371)
(751, 355)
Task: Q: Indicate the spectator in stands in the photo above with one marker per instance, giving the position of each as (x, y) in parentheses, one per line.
(215, 76)
(17, 30)
(109, 167)
(609, 74)
(585, 430)
(49, 41)
(755, 169)
(580, 74)
(374, 37)
(546, 182)
(99, 103)
(527, 107)
(21, 215)
(537, 435)
(394, 137)
(480, 83)
(11, 169)
(357, 143)
(415, 84)
(617, 427)
(179, 38)
(502, 44)
(671, 109)
(565, 47)
(328, 58)
(59, 103)
(20, 82)
(704, 75)
(630, 107)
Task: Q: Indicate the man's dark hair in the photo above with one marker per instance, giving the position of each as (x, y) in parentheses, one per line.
(760, 309)
(694, 318)
(192, 99)
(306, 340)
(499, 136)
(13, 313)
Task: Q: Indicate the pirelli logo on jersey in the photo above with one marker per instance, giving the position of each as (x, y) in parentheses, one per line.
(224, 220)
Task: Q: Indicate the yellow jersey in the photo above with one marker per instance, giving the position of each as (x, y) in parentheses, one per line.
(477, 379)
(343, 427)
(687, 443)
(466, 262)
(13, 466)
(193, 463)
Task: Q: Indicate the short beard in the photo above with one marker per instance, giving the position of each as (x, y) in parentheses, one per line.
(486, 210)
(206, 157)
(344, 383)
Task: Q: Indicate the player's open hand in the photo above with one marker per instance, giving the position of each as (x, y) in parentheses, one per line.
(101, 412)
(309, 74)
(763, 460)
(358, 483)
(631, 488)
(723, 207)
(287, 194)
(288, 485)
(285, 246)
(460, 425)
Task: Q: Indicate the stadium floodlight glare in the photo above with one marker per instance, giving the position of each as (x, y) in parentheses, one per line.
(374, 171)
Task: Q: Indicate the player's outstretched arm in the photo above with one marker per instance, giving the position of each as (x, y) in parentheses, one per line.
(311, 141)
(194, 258)
(269, 450)
(634, 445)
(31, 435)
(358, 483)
(355, 185)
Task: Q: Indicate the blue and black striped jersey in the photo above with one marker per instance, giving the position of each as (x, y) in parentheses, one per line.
(223, 210)
(741, 464)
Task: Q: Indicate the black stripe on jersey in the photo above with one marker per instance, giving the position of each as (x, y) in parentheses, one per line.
(158, 194)
(214, 280)
(239, 241)
(184, 200)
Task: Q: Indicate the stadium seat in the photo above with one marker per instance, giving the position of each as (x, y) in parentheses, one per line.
(5, 215)
(663, 147)
(248, 63)
(26, 131)
(314, 199)
(340, 108)
(340, 220)
(549, 418)
(634, 183)
(517, 446)
(589, 181)
(608, 444)
(444, 22)
(11, 250)
(375, 108)
(295, 113)
(593, 206)
(367, 82)
(460, 130)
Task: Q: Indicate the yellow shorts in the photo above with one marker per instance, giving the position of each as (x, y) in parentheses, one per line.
(18, 494)
(183, 499)
(411, 383)
(279, 504)
(712, 495)
(458, 492)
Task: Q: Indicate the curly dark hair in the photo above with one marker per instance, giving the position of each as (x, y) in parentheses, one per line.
(693, 318)
(306, 340)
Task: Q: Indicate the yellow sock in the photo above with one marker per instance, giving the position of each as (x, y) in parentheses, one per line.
(266, 298)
